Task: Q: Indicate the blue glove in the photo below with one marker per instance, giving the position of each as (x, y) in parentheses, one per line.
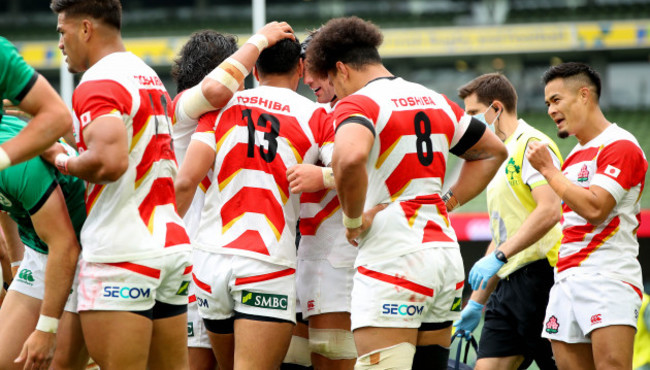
(469, 318)
(483, 270)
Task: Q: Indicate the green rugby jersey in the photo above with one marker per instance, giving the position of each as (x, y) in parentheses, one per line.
(25, 187)
(16, 76)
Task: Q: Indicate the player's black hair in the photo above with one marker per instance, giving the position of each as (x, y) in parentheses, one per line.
(280, 58)
(580, 71)
(108, 11)
(202, 53)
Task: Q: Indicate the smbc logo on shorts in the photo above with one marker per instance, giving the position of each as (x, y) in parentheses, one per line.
(262, 300)
(25, 276)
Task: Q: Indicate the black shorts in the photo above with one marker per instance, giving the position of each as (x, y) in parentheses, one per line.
(514, 317)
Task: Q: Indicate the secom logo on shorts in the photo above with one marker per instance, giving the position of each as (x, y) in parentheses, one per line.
(272, 301)
(120, 291)
(190, 329)
(402, 309)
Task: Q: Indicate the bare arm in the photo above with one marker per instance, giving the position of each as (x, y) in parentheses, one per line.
(593, 203)
(51, 120)
(482, 161)
(53, 226)
(15, 247)
(107, 156)
(546, 214)
(216, 89)
(198, 161)
(352, 146)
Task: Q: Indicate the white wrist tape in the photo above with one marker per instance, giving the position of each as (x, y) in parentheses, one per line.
(258, 40)
(225, 78)
(47, 324)
(194, 103)
(4, 159)
(328, 177)
(352, 223)
(235, 63)
(16, 263)
(61, 163)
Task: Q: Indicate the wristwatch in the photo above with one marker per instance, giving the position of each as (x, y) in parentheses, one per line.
(500, 256)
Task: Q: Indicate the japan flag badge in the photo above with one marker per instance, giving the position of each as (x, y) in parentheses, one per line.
(612, 171)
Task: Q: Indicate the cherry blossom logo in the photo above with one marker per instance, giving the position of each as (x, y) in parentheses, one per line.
(552, 325)
(583, 175)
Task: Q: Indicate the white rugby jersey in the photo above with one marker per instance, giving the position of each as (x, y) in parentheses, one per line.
(183, 127)
(415, 127)
(322, 235)
(615, 162)
(134, 217)
(249, 209)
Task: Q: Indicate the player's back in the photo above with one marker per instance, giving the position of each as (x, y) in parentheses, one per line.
(249, 209)
(415, 127)
(133, 217)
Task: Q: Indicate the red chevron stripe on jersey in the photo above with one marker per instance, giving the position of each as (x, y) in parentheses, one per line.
(576, 259)
(92, 193)
(410, 168)
(249, 240)
(577, 233)
(236, 160)
(433, 233)
(315, 197)
(176, 235)
(254, 200)
(161, 193)
(309, 226)
(585, 155)
(205, 183)
(159, 148)
(152, 111)
(391, 134)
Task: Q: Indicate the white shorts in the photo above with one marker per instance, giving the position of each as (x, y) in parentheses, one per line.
(228, 283)
(410, 290)
(197, 335)
(30, 279)
(579, 304)
(135, 286)
(323, 288)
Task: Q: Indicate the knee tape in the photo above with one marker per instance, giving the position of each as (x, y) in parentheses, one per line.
(432, 357)
(298, 352)
(397, 357)
(335, 344)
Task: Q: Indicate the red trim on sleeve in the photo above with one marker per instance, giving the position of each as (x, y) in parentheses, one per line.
(623, 161)
(95, 98)
(356, 105)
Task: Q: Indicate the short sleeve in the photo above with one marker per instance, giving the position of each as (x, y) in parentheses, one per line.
(205, 131)
(531, 176)
(31, 183)
(96, 98)
(322, 126)
(620, 166)
(16, 77)
(355, 106)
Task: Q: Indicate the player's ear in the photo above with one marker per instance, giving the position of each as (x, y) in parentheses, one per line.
(255, 73)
